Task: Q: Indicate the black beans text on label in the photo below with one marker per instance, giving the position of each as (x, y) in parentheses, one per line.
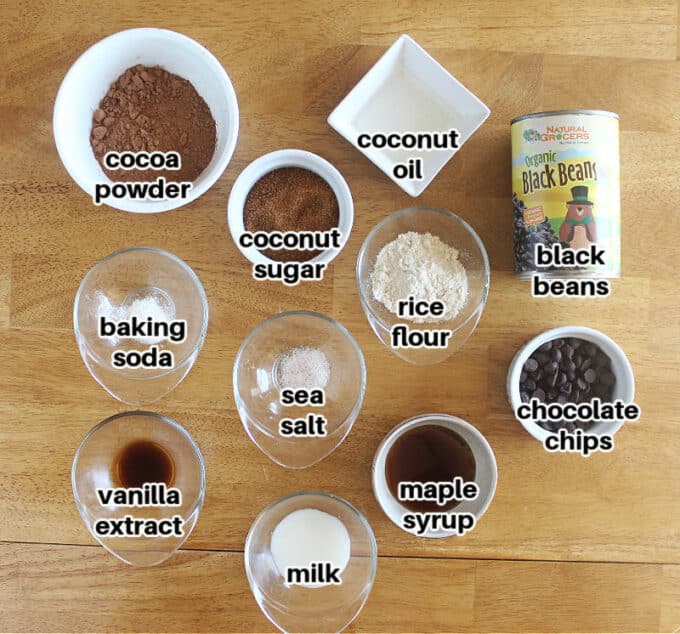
(558, 175)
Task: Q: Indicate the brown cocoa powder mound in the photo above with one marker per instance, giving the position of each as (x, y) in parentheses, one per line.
(149, 109)
(291, 199)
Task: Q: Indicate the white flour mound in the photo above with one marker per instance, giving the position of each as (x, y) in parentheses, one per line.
(422, 266)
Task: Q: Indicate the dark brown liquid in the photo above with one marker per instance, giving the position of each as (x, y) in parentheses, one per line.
(430, 453)
(143, 461)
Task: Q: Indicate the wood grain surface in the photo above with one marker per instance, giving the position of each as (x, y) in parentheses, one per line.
(568, 544)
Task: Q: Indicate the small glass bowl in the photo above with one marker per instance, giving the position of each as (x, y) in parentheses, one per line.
(92, 469)
(453, 231)
(116, 281)
(294, 608)
(257, 391)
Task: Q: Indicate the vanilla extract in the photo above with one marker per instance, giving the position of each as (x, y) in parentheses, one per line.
(151, 494)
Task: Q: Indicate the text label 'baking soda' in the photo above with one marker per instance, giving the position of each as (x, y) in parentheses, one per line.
(150, 495)
(556, 256)
(160, 189)
(143, 330)
(312, 425)
(412, 168)
(402, 336)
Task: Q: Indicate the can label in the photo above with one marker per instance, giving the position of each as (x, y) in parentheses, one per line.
(565, 178)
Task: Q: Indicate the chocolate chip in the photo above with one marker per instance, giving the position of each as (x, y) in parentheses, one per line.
(607, 378)
(530, 364)
(556, 355)
(590, 375)
(539, 394)
(541, 357)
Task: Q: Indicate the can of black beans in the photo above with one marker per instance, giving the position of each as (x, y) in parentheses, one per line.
(565, 177)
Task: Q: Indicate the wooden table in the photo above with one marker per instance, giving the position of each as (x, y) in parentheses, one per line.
(568, 544)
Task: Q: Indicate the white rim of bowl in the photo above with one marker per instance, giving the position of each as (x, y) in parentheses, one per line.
(290, 158)
(132, 206)
(445, 420)
(562, 332)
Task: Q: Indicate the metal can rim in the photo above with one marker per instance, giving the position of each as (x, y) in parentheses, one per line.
(550, 113)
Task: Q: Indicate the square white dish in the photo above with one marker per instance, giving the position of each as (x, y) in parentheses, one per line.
(407, 90)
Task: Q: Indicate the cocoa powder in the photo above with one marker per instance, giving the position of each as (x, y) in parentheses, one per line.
(149, 109)
(291, 199)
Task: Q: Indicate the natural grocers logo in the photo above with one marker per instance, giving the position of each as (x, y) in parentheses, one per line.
(531, 135)
(561, 134)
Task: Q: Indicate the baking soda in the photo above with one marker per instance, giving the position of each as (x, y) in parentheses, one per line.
(149, 303)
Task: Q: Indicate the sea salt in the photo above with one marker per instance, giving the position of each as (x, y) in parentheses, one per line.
(303, 367)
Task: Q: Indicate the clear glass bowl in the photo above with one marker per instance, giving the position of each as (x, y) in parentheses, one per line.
(453, 231)
(111, 287)
(93, 469)
(257, 389)
(296, 608)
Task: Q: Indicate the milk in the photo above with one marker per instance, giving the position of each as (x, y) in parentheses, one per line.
(308, 536)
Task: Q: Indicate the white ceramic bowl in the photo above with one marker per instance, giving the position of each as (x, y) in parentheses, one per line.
(91, 76)
(486, 476)
(624, 387)
(289, 158)
(407, 90)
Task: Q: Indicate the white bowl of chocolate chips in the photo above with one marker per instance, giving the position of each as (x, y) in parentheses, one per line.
(570, 364)
(150, 90)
